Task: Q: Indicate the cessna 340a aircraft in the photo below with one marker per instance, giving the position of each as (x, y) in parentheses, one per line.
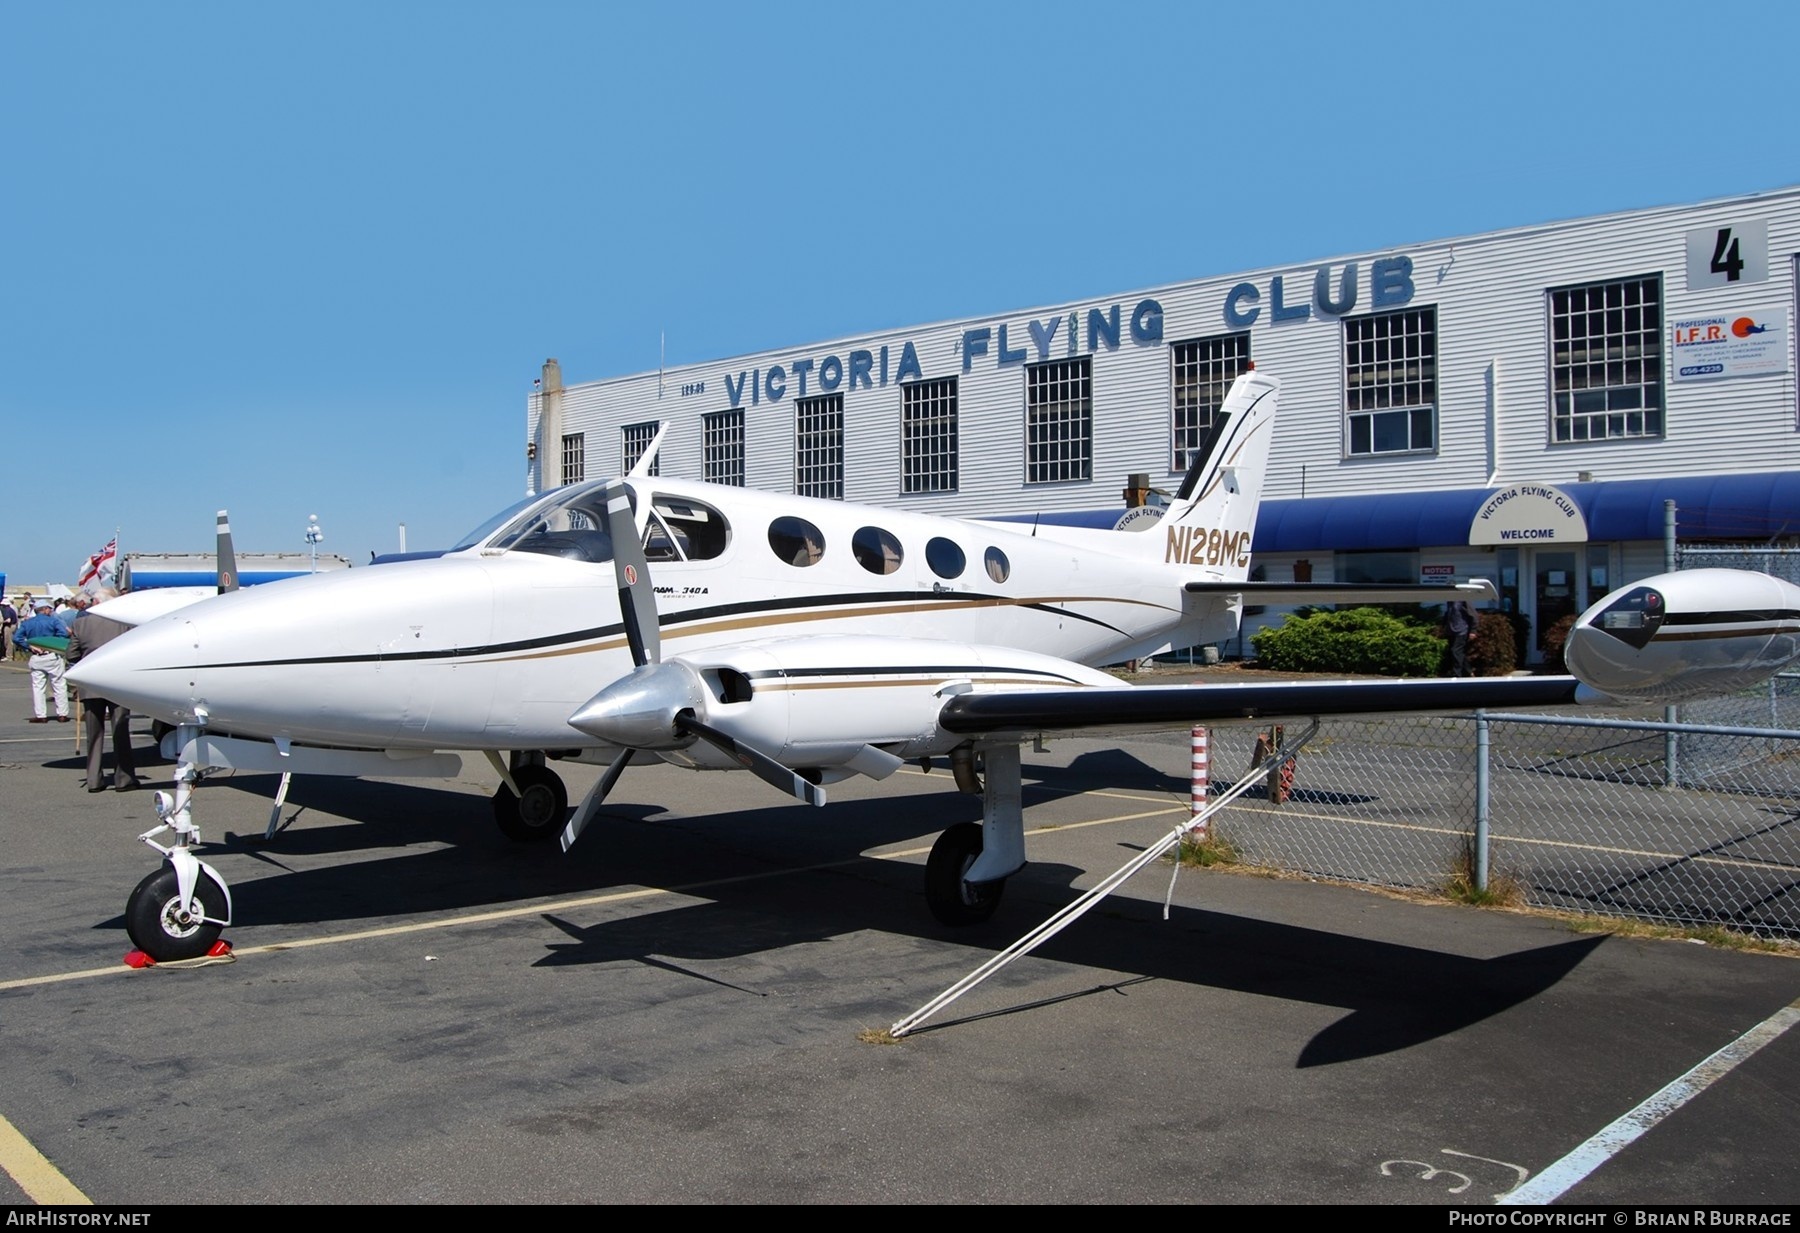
(806, 641)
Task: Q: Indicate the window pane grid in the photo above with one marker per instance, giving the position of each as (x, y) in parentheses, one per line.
(819, 446)
(1202, 372)
(928, 423)
(1059, 421)
(574, 457)
(1390, 382)
(637, 439)
(1606, 360)
(723, 448)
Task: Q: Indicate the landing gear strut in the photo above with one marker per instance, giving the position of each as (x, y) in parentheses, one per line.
(969, 864)
(177, 912)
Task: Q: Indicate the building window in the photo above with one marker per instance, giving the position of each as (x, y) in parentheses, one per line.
(1606, 360)
(1390, 382)
(724, 448)
(928, 436)
(574, 457)
(1201, 374)
(819, 446)
(1059, 421)
(637, 439)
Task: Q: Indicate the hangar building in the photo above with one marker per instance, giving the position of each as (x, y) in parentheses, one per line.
(1519, 405)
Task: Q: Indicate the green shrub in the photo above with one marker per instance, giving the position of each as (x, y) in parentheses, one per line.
(1354, 640)
(1494, 651)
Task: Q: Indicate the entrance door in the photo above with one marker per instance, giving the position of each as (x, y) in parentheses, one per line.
(1558, 582)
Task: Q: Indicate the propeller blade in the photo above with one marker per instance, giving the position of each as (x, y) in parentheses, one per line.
(228, 575)
(637, 599)
(765, 768)
(590, 804)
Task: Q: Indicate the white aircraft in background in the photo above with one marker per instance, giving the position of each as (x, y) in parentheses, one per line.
(136, 607)
(806, 641)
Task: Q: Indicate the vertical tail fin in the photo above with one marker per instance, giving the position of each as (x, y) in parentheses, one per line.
(1213, 516)
(228, 575)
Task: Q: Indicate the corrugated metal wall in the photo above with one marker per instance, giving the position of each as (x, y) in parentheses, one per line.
(1489, 292)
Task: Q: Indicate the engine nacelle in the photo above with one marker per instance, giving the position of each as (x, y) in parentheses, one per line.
(1686, 635)
(820, 702)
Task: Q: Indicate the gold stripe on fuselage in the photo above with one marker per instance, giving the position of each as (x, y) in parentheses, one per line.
(771, 619)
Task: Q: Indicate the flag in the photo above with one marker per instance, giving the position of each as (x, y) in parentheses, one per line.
(101, 567)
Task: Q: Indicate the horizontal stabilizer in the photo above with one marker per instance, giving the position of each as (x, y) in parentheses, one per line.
(1478, 591)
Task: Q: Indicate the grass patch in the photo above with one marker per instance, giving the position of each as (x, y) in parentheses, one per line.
(1710, 935)
(1502, 889)
(1205, 851)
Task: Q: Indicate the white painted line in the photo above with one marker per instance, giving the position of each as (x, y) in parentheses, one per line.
(1560, 1177)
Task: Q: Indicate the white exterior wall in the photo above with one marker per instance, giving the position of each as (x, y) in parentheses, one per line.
(1493, 378)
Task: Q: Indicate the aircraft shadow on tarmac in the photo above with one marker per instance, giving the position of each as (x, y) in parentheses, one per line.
(1398, 996)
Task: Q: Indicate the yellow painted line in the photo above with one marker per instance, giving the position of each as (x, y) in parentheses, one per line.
(41, 1181)
(561, 905)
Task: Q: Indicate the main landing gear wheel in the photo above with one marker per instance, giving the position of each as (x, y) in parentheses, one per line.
(159, 928)
(951, 899)
(540, 812)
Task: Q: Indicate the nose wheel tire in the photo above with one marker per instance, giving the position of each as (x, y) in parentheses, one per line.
(953, 900)
(159, 928)
(539, 813)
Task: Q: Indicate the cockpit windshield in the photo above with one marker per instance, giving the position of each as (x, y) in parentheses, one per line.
(499, 520)
(568, 523)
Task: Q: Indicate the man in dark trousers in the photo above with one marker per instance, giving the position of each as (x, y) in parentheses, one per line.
(88, 633)
(1459, 621)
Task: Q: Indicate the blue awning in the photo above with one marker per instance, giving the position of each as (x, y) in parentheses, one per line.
(1707, 507)
(1742, 508)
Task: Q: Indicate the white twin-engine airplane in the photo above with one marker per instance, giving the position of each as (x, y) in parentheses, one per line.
(806, 641)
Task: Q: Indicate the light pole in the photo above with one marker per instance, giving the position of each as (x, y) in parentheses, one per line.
(313, 535)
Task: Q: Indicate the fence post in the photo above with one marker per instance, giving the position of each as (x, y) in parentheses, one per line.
(1481, 800)
(1197, 785)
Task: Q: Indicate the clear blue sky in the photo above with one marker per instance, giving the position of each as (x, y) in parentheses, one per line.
(295, 258)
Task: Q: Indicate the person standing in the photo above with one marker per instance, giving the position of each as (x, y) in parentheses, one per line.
(88, 633)
(1459, 622)
(9, 621)
(46, 662)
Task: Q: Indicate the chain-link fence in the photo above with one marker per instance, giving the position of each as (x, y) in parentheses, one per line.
(1694, 823)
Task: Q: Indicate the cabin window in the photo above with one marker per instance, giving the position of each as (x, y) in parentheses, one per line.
(1200, 375)
(876, 550)
(684, 530)
(945, 558)
(998, 567)
(1390, 382)
(796, 541)
(1606, 361)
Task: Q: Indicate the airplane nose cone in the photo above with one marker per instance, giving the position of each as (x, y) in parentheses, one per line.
(147, 669)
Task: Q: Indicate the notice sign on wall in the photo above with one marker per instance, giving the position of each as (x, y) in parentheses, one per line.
(1731, 344)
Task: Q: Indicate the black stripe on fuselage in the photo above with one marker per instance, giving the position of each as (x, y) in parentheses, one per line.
(1746, 616)
(672, 622)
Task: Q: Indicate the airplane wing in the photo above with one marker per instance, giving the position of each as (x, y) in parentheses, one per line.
(999, 712)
